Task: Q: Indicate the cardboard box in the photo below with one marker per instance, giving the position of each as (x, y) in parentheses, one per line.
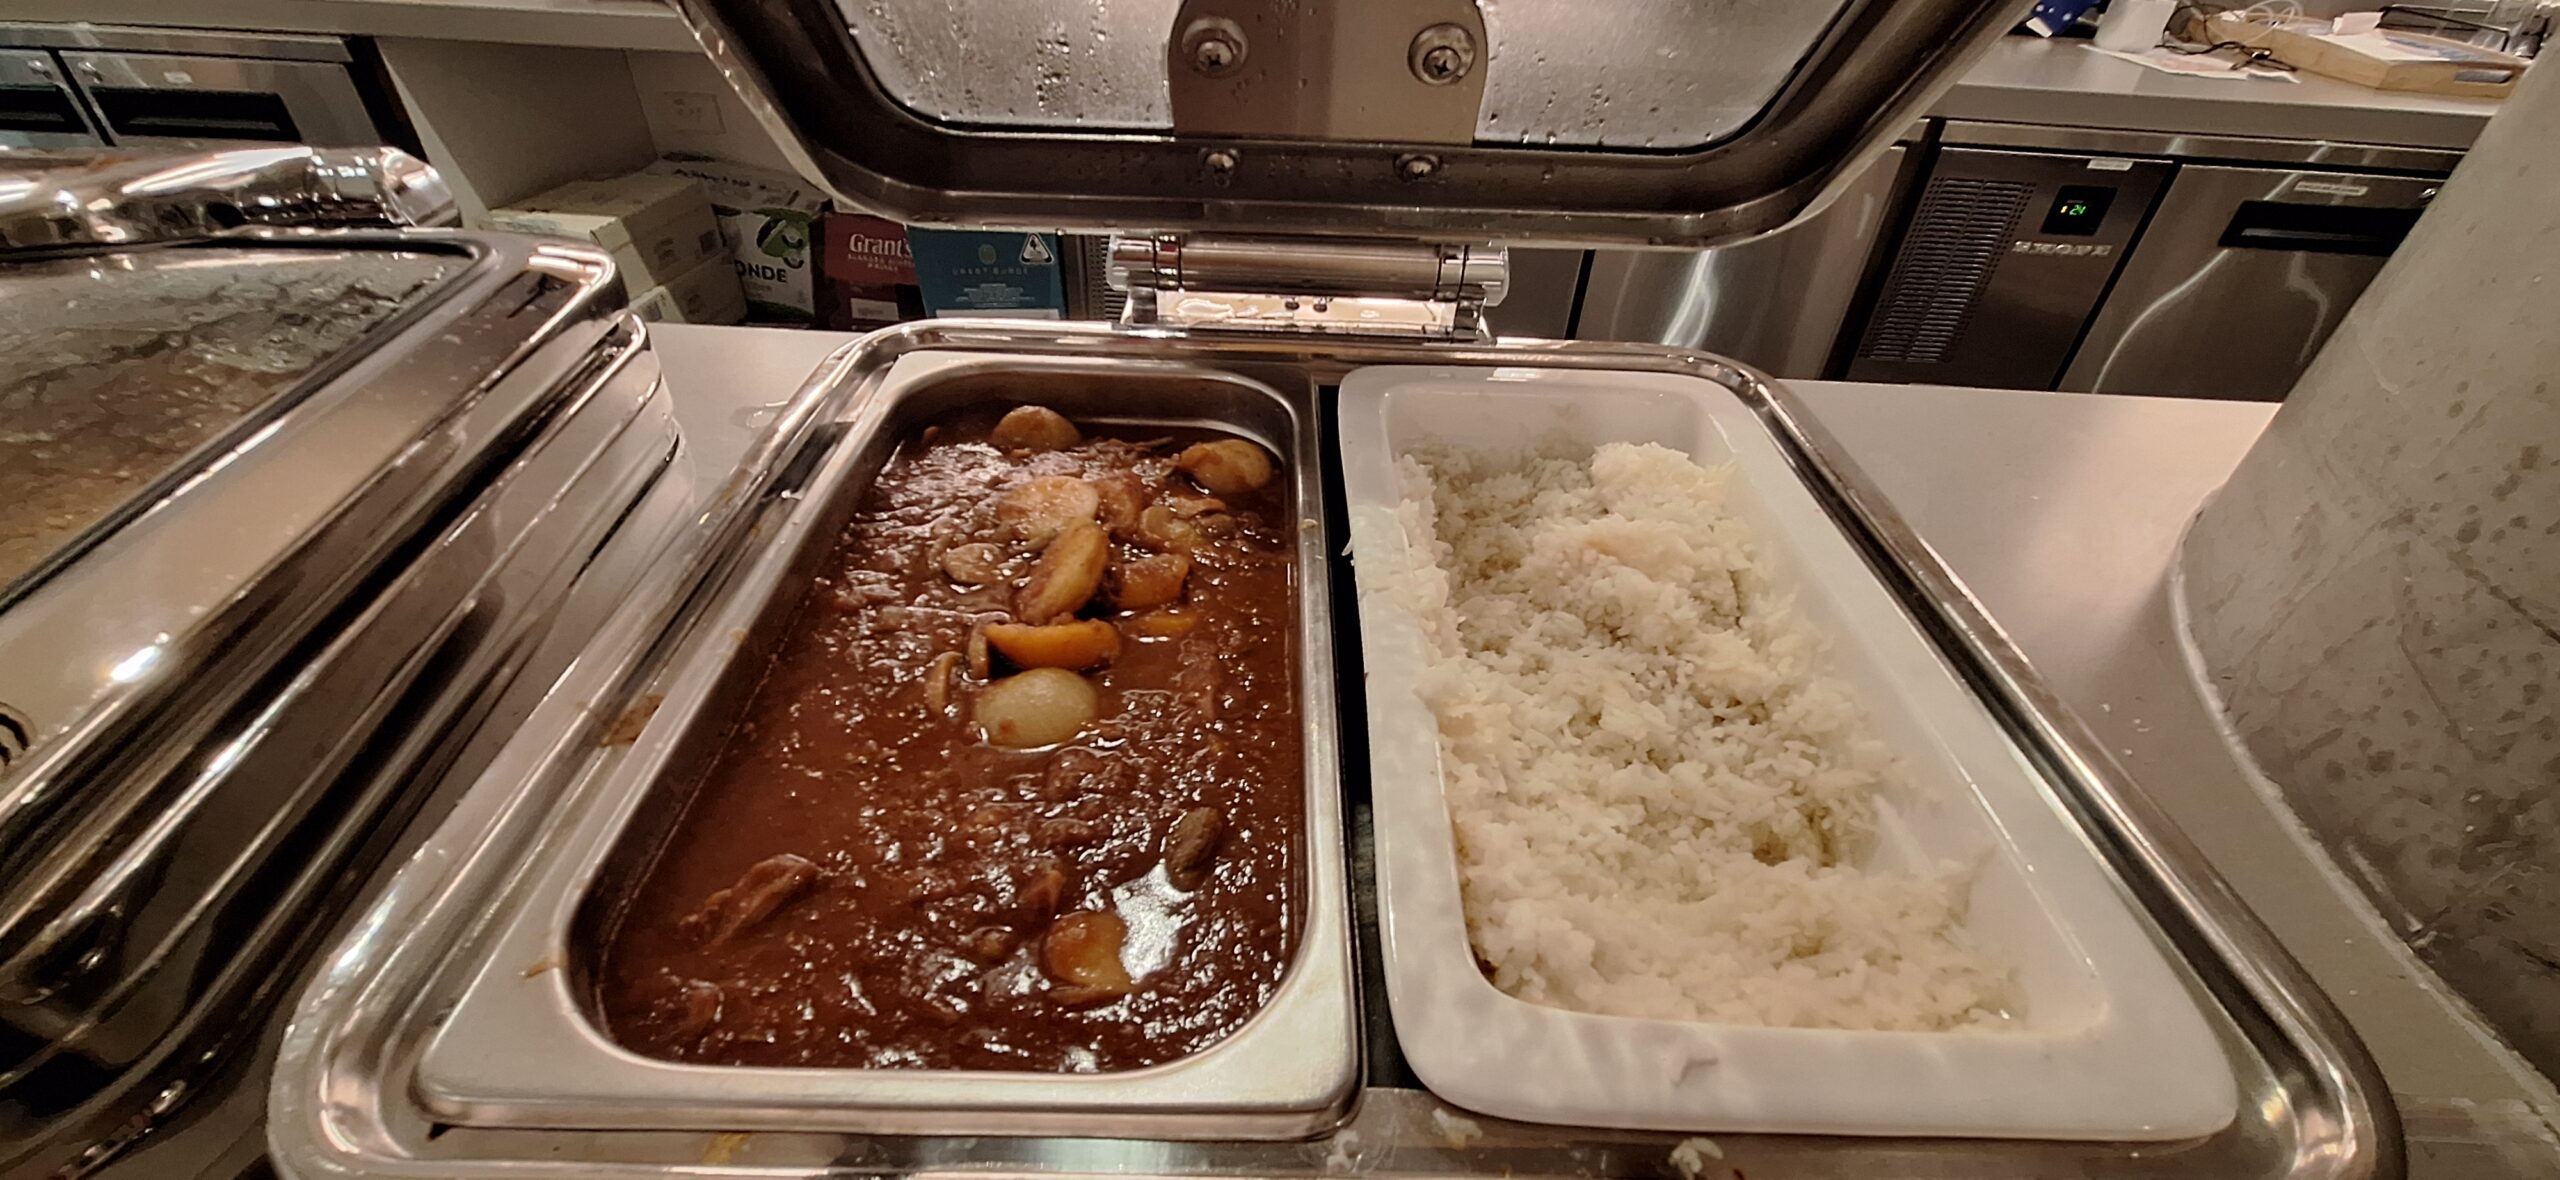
(983, 272)
(2384, 59)
(707, 294)
(656, 227)
(770, 221)
(866, 274)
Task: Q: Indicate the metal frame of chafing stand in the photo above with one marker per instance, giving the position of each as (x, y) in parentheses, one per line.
(2313, 1104)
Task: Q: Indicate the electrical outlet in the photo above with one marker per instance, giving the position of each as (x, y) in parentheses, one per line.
(694, 111)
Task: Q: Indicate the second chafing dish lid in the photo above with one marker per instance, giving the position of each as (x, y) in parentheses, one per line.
(124, 372)
(204, 443)
(1646, 121)
(213, 452)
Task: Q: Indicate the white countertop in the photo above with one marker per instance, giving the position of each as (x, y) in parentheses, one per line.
(2021, 79)
(2066, 540)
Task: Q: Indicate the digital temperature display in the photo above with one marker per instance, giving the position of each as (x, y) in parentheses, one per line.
(2077, 210)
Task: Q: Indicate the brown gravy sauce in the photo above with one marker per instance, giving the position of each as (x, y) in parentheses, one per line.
(864, 880)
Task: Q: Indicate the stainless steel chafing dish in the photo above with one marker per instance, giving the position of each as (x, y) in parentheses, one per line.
(347, 1096)
(1420, 130)
(291, 514)
(519, 1049)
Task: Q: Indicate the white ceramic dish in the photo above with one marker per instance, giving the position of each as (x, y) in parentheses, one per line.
(2108, 1043)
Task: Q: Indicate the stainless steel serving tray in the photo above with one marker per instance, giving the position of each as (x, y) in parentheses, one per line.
(524, 1047)
(344, 1098)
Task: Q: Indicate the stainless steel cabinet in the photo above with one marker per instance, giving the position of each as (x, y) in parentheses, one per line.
(1545, 286)
(89, 85)
(2006, 255)
(2126, 262)
(2239, 279)
(180, 100)
(1775, 302)
(37, 108)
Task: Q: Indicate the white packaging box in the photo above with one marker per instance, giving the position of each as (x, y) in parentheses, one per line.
(657, 227)
(707, 294)
(770, 220)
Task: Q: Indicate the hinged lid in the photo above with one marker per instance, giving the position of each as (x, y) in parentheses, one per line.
(1327, 286)
(1645, 121)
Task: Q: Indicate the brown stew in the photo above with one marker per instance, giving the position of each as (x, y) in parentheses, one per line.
(1021, 789)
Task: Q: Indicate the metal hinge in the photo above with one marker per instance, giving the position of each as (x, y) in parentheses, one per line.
(1401, 73)
(1328, 286)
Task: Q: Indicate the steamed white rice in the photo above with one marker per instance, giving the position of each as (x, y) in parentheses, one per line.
(1661, 801)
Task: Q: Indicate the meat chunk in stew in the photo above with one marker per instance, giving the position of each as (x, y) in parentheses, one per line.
(1192, 845)
(767, 886)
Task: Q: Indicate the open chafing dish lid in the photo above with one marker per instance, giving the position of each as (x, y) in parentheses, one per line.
(1582, 121)
(218, 445)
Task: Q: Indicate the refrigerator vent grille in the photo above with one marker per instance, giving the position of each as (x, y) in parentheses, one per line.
(1957, 236)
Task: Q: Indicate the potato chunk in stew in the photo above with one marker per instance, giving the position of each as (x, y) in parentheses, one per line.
(1034, 428)
(1041, 707)
(1084, 643)
(1040, 509)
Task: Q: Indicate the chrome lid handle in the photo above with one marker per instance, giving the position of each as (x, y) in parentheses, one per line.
(82, 200)
(379, 185)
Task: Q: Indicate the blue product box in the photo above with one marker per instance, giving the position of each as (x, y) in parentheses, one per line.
(2051, 18)
(989, 272)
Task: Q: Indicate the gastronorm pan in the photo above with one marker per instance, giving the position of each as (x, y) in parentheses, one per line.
(343, 1101)
(524, 1046)
(2100, 1038)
